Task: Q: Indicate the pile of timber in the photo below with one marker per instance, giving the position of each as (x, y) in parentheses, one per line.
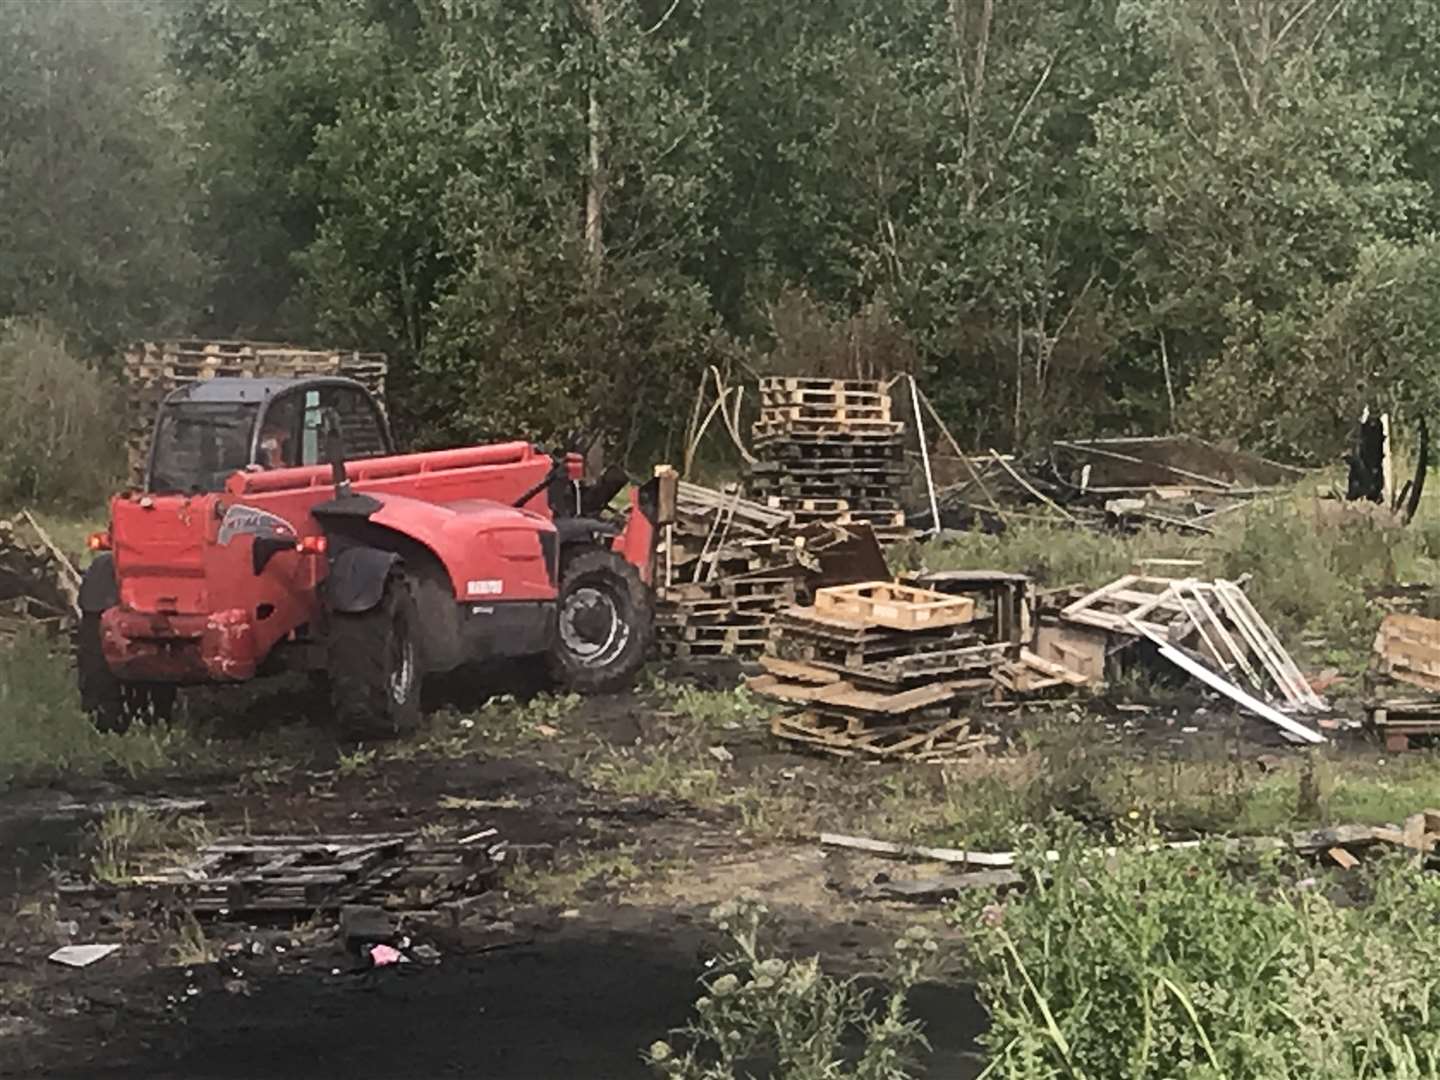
(828, 450)
(301, 875)
(875, 671)
(1405, 704)
(727, 565)
(153, 369)
(39, 585)
(1209, 629)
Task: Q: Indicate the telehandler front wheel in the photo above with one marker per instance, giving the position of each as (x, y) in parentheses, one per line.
(604, 623)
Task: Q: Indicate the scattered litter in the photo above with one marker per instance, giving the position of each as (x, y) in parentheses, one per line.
(385, 955)
(79, 956)
(483, 834)
(720, 754)
(1420, 835)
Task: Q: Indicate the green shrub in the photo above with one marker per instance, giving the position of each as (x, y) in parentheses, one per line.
(1176, 964)
(791, 1018)
(61, 422)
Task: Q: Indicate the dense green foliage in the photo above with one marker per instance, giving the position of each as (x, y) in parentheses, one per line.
(58, 424)
(1070, 215)
(1143, 964)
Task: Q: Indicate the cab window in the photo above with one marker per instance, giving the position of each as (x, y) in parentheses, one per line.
(360, 424)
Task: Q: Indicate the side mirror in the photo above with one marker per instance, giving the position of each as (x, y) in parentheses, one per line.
(335, 450)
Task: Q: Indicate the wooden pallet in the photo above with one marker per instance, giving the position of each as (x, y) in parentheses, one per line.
(906, 670)
(826, 399)
(782, 383)
(300, 875)
(888, 449)
(838, 413)
(736, 587)
(835, 430)
(711, 650)
(789, 493)
(930, 739)
(899, 607)
(1399, 721)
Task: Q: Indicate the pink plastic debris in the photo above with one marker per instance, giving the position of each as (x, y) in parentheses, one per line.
(384, 955)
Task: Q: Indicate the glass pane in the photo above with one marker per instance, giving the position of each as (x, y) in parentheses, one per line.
(198, 446)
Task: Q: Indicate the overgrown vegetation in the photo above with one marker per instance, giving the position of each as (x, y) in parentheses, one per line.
(127, 841)
(790, 1019)
(1158, 964)
(44, 733)
(59, 425)
(1068, 215)
(1309, 577)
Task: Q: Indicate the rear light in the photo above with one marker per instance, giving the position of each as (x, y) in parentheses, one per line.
(313, 545)
(98, 541)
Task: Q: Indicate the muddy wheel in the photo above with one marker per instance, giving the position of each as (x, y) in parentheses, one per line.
(113, 705)
(604, 623)
(375, 664)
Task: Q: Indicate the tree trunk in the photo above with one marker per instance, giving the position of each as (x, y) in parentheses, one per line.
(595, 157)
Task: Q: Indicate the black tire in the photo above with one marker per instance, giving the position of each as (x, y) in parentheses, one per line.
(111, 704)
(375, 664)
(605, 620)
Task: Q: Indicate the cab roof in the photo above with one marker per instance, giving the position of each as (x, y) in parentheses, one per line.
(241, 391)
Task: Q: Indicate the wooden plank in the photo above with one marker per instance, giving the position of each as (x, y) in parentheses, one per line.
(1291, 728)
(798, 672)
(843, 695)
(1343, 858)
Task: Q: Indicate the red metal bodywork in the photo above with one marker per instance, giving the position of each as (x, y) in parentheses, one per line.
(192, 609)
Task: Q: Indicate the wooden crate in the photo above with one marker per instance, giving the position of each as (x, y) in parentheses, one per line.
(899, 607)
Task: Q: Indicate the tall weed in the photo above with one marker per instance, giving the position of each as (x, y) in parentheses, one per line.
(1148, 964)
(43, 731)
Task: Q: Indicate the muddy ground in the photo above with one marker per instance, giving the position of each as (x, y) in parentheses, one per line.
(570, 976)
(587, 948)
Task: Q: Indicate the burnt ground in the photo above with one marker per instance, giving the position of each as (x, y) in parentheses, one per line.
(568, 980)
(624, 828)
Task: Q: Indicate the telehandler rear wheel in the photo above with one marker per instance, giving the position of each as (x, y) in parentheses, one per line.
(111, 704)
(375, 664)
(604, 625)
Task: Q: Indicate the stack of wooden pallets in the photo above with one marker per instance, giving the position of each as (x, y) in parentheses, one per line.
(872, 670)
(153, 369)
(726, 566)
(828, 450)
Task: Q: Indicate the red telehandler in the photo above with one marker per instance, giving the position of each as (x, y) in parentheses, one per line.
(278, 530)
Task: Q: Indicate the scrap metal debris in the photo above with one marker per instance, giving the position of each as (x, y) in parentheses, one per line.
(1173, 482)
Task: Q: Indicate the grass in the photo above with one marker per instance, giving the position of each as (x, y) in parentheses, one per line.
(1308, 577)
(1154, 964)
(191, 947)
(129, 841)
(561, 883)
(44, 733)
